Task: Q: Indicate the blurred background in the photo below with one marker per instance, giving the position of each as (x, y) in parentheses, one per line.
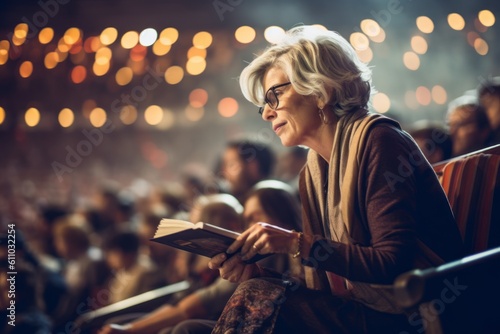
(140, 92)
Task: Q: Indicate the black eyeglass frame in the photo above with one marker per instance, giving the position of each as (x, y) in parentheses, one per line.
(266, 100)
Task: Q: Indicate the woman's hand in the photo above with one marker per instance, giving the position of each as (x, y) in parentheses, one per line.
(263, 238)
(234, 269)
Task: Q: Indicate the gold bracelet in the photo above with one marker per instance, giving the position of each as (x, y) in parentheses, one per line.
(299, 248)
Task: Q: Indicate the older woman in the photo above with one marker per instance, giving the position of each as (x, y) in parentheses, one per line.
(372, 205)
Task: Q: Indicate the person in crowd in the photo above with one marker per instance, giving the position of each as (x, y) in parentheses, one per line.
(244, 163)
(132, 272)
(208, 300)
(489, 98)
(468, 125)
(364, 221)
(84, 269)
(433, 140)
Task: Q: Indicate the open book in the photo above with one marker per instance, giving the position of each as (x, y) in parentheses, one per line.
(200, 238)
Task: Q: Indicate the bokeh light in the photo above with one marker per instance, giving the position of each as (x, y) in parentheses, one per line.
(245, 34)
(487, 18)
(169, 36)
(365, 56)
(273, 34)
(425, 24)
(359, 41)
(129, 39)
(148, 37)
(46, 35)
(381, 102)
(174, 75)
(198, 98)
(196, 65)
(419, 44)
(2, 115)
(194, 114)
(108, 36)
(370, 27)
(97, 117)
(78, 74)
(153, 115)
(411, 60)
(456, 21)
(66, 117)
(123, 76)
(439, 95)
(32, 117)
(26, 69)
(423, 95)
(128, 114)
(202, 40)
(227, 107)
(481, 46)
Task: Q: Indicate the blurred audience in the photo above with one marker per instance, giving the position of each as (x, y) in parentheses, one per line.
(433, 140)
(244, 163)
(468, 125)
(489, 97)
(289, 164)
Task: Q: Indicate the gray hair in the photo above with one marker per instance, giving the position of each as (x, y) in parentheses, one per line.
(318, 63)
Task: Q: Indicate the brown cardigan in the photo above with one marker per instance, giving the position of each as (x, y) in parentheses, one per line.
(399, 203)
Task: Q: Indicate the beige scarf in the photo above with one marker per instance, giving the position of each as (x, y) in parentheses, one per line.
(342, 223)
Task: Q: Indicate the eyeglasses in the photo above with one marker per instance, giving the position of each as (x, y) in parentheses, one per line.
(271, 97)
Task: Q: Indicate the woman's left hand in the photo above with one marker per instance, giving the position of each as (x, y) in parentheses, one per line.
(263, 238)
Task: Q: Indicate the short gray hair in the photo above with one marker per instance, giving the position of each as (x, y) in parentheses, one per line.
(319, 63)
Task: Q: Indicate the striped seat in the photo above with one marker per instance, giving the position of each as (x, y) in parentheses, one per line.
(472, 185)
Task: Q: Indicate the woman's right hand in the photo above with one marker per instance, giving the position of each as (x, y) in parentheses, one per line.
(234, 269)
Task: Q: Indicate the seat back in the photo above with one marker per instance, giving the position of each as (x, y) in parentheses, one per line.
(472, 185)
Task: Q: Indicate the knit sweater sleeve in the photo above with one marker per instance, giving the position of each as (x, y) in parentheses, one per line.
(388, 205)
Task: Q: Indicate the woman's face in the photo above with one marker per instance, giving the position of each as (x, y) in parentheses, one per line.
(296, 120)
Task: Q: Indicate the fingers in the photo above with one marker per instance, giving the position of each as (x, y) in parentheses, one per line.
(217, 261)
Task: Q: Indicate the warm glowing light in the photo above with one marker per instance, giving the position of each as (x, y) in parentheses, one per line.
(100, 69)
(129, 39)
(423, 95)
(471, 37)
(148, 37)
(128, 115)
(66, 117)
(245, 34)
(425, 24)
(227, 107)
(62, 46)
(4, 51)
(198, 98)
(359, 41)
(46, 35)
(196, 65)
(103, 56)
(380, 37)
(124, 75)
(174, 75)
(32, 117)
(456, 21)
(108, 36)
(61, 55)
(202, 40)
(411, 60)
(419, 44)
(195, 52)
(194, 114)
(274, 34)
(160, 49)
(370, 27)
(51, 60)
(169, 36)
(481, 46)
(26, 69)
(153, 115)
(411, 100)
(98, 117)
(365, 56)
(439, 94)
(2, 115)
(381, 102)
(78, 74)
(71, 36)
(21, 31)
(486, 18)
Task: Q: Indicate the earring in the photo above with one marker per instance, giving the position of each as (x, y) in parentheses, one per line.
(322, 116)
